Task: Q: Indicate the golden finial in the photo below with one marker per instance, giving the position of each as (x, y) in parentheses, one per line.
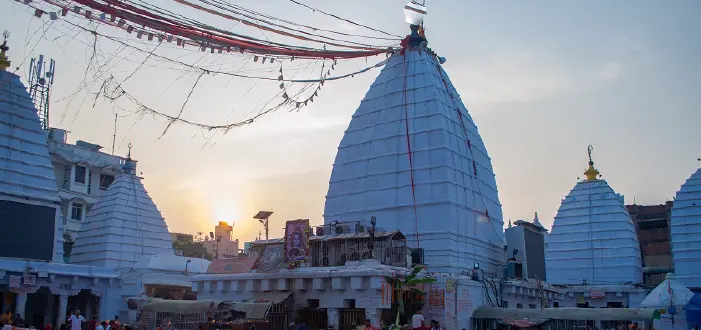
(591, 173)
(4, 61)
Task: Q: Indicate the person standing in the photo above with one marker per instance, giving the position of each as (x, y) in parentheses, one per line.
(368, 325)
(76, 320)
(7, 317)
(417, 320)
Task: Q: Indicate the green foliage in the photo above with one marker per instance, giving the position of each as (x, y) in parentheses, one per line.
(407, 284)
(192, 249)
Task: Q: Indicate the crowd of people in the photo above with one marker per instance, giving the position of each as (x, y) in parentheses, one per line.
(76, 321)
(8, 319)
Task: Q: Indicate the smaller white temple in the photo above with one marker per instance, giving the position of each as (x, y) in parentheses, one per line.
(123, 226)
(686, 232)
(593, 239)
(126, 232)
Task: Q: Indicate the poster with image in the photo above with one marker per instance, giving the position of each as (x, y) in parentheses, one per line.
(296, 241)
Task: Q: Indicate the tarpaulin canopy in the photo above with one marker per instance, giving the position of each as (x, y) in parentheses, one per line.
(180, 306)
(669, 293)
(693, 310)
(257, 306)
(573, 313)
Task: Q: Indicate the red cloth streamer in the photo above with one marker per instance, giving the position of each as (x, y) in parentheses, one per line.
(411, 164)
(163, 24)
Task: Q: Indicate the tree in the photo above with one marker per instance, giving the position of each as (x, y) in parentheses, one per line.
(408, 284)
(192, 249)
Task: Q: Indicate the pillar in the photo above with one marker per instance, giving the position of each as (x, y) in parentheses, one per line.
(333, 320)
(62, 309)
(21, 303)
(374, 315)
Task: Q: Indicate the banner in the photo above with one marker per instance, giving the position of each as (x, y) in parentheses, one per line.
(296, 241)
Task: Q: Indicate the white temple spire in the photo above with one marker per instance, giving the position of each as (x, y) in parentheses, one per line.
(593, 237)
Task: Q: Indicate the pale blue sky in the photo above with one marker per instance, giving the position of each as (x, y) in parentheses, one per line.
(542, 80)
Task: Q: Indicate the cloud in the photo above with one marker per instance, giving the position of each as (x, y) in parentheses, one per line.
(610, 71)
(523, 77)
(511, 78)
(347, 26)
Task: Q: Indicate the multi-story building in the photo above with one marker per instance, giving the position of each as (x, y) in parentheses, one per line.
(221, 244)
(526, 249)
(652, 225)
(83, 173)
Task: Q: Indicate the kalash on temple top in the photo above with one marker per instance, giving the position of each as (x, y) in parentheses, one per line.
(413, 158)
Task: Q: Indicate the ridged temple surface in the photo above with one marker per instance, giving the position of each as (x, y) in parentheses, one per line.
(454, 184)
(686, 232)
(122, 227)
(593, 238)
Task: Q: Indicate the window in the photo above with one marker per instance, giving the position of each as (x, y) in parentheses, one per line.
(77, 212)
(532, 306)
(556, 304)
(80, 172)
(614, 304)
(519, 306)
(105, 181)
(67, 177)
(89, 182)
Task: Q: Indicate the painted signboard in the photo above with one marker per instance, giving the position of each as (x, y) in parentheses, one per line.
(296, 241)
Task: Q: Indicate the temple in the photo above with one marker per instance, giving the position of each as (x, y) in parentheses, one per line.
(33, 276)
(122, 227)
(593, 240)
(413, 158)
(686, 232)
(126, 232)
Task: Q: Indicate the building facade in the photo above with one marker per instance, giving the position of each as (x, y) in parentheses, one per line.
(83, 173)
(525, 243)
(221, 244)
(652, 225)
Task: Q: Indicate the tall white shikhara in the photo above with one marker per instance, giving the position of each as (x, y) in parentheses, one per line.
(412, 157)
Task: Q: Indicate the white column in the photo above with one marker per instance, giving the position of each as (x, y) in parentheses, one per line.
(333, 320)
(21, 304)
(62, 309)
(374, 315)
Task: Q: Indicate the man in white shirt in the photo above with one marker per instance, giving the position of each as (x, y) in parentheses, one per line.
(417, 320)
(76, 320)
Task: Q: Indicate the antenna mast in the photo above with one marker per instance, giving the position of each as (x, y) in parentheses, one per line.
(41, 78)
(114, 136)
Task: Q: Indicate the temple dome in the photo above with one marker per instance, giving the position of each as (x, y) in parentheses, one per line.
(412, 156)
(686, 232)
(122, 228)
(593, 238)
(26, 172)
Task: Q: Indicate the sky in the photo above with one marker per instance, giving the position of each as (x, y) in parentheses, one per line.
(541, 79)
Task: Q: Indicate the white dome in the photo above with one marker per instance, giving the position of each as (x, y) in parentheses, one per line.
(453, 181)
(686, 232)
(593, 238)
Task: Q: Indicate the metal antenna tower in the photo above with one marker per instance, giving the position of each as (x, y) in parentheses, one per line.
(41, 78)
